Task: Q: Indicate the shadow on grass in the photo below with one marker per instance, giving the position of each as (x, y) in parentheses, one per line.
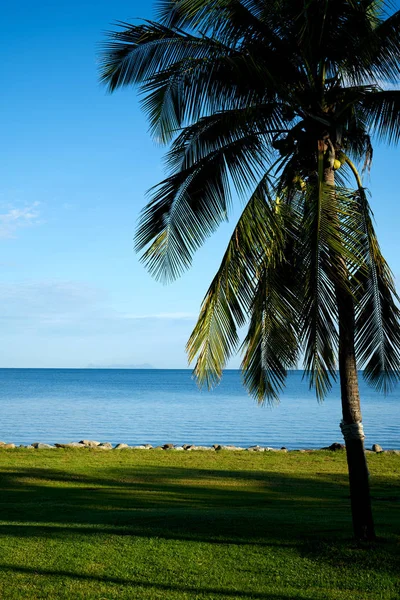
(224, 507)
(182, 503)
(135, 583)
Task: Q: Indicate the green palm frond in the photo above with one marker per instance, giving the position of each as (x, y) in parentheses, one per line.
(229, 298)
(136, 53)
(271, 345)
(205, 136)
(329, 253)
(377, 312)
(382, 115)
(189, 205)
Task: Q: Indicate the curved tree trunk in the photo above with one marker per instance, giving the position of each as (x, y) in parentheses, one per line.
(363, 524)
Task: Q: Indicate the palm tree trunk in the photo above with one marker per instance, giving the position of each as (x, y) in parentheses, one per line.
(363, 524)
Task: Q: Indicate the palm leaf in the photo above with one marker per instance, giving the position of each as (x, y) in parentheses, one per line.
(188, 206)
(381, 111)
(377, 312)
(228, 300)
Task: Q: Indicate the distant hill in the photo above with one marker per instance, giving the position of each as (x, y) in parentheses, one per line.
(118, 366)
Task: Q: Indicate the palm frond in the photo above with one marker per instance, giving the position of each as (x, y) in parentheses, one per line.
(377, 312)
(188, 206)
(229, 297)
(271, 345)
(328, 251)
(381, 111)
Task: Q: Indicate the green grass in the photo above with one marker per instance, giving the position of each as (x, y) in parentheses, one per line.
(85, 524)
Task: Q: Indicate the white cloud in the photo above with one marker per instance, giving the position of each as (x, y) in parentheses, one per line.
(15, 218)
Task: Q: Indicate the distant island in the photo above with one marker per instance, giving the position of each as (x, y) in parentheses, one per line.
(117, 366)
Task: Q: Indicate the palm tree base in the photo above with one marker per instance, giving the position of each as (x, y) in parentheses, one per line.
(363, 524)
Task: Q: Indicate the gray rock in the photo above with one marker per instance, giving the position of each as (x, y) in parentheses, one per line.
(393, 452)
(255, 449)
(90, 443)
(105, 446)
(121, 446)
(70, 445)
(140, 447)
(377, 448)
(179, 449)
(43, 446)
(203, 448)
(231, 448)
(168, 446)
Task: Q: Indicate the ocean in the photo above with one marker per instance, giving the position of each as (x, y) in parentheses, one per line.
(165, 406)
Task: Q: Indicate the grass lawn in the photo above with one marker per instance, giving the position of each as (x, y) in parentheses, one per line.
(186, 525)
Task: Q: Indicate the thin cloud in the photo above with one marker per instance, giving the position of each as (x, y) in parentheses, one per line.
(17, 218)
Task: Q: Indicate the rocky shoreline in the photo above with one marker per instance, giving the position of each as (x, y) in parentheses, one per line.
(376, 448)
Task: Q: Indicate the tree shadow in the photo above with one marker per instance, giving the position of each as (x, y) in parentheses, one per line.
(239, 507)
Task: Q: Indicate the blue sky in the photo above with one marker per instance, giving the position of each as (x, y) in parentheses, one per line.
(75, 165)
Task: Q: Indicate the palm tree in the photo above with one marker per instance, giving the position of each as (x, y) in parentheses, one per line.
(278, 101)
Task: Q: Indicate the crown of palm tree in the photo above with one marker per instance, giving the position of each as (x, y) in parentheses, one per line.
(259, 97)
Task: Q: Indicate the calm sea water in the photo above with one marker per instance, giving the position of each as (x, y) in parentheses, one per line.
(165, 406)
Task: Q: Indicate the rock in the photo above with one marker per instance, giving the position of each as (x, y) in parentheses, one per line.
(144, 447)
(121, 446)
(168, 446)
(231, 448)
(70, 445)
(7, 446)
(336, 446)
(30, 447)
(284, 448)
(2, 443)
(105, 446)
(377, 448)
(90, 443)
(256, 449)
(179, 449)
(43, 446)
(393, 452)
